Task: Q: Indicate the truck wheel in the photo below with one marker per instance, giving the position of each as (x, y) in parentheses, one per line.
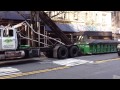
(62, 52)
(73, 51)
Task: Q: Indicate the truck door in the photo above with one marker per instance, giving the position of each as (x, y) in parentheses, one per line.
(9, 41)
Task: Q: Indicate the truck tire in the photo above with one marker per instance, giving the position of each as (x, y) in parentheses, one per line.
(62, 52)
(73, 51)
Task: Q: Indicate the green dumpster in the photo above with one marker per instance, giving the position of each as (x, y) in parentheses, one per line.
(94, 48)
(91, 48)
(114, 48)
(84, 48)
(109, 48)
(87, 49)
(98, 48)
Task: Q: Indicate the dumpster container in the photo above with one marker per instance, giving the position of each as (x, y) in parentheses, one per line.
(87, 49)
(91, 48)
(108, 48)
(98, 48)
(112, 47)
(101, 48)
(94, 48)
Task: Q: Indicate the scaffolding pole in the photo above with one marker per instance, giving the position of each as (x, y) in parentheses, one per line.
(38, 27)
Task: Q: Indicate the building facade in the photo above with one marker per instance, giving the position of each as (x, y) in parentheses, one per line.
(98, 23)
(93, 24)
(85, 20)
(90, 20)
(116, 24)
(75, 24)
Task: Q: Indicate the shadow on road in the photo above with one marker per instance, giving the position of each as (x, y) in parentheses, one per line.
(17, 62)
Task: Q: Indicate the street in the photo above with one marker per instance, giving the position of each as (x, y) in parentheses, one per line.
(104, 66)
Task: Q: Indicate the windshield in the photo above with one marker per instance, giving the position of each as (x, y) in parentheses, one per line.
(8, 33)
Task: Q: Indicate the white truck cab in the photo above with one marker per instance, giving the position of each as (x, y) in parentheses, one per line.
(8, 38)
(9, 48)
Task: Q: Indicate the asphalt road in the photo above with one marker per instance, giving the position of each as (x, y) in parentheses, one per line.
(104, 66)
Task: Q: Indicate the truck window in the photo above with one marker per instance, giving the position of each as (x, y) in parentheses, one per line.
(8, 33)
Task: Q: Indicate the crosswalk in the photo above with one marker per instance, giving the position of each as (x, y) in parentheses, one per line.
(9, 71)
(72, 62)
(6, 71)
(116, 77)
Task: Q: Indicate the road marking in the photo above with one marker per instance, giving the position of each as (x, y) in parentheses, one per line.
(34, 72)
(116, 77)
(8, 71)
(67, 64)
(71, 62)
(103, 61)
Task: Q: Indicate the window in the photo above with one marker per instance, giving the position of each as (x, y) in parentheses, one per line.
(8, 33)
(75, 16)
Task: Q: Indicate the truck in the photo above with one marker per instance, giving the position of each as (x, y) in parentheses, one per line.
(12, 48)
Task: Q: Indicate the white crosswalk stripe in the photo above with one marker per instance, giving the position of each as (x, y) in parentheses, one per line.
(8, 71)
(116, 77)
(71, 62)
